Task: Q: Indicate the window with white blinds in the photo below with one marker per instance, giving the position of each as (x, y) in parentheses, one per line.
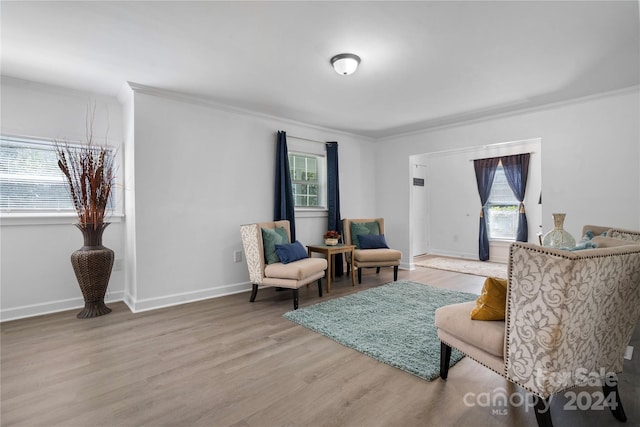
(30, 180)
(502, 208)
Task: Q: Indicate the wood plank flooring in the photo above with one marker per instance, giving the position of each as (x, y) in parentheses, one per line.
(228, 362)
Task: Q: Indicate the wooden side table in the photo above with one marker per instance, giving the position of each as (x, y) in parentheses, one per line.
(330, 252)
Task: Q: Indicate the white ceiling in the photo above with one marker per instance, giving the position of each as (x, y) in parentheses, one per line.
(424, 63)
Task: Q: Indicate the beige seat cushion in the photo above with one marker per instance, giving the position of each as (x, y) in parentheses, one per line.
(296, 270)
(377, 255)
(488, 335)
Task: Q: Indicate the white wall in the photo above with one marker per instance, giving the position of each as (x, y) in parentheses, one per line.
(590, 168)
(193, 174)
(201, 172)
(35, 270)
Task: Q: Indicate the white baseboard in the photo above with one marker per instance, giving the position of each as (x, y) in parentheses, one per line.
(465, 255)
(629, 353)
(407, 266)
(140, 305)
(135, 305)
(499, 253)
(40, 309)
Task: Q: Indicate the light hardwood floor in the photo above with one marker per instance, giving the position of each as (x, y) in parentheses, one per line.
(228, 362)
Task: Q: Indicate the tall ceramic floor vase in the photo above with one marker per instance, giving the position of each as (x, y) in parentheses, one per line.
(558, 237)
(92, 264)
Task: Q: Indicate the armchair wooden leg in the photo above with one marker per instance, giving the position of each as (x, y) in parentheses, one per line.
(359, 275)
(320, 287)
(254, 292)
(296, 297)
(395, 273)
(445, 359)
(612, 396)
(543, 412)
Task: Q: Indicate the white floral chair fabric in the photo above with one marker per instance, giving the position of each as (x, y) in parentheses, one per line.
(293, 275)
(614, 233)
(629, 235)
(567, 313)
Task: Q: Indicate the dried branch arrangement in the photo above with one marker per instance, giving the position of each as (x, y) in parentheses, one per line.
(89, 170)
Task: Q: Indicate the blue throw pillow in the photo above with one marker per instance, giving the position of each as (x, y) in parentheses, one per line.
(372, 241)
(291, 252)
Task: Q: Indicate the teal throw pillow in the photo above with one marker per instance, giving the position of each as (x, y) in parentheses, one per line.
(363, 228)
(270, 238)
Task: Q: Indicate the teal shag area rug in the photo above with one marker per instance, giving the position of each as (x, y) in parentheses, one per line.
(392, 323)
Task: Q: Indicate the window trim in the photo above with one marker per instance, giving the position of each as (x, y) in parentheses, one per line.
(66, 218)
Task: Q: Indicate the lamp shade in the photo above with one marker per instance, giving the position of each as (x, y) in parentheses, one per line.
(345, 63)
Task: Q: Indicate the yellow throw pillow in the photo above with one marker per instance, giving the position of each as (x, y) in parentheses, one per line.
(491, 304)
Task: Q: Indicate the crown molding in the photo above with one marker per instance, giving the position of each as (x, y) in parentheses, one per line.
(516, 111)
(210, 103)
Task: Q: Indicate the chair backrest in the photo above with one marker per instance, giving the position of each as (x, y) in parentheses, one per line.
(613, 232)
(597, 230)
(570, 315)
(619, 233)
(346, 227)
(254, 247)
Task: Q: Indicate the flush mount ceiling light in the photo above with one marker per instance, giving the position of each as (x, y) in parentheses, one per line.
(345, 63)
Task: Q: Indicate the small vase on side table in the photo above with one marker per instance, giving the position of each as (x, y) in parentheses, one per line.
(558, 237)
(92, 264)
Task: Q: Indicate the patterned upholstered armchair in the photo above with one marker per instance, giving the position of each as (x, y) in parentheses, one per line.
(378, 256)
(569, 318)
(615, 233)
(272, 272)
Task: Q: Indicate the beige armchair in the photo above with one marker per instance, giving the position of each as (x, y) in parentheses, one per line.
(292, 275)
(569, 318)
(377, 257)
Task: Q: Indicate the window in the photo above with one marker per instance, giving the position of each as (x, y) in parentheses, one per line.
(30, 180)
(502, 208)
(309, 180)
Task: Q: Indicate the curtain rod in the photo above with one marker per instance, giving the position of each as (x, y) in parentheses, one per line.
(307, 139)
(497, 157)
